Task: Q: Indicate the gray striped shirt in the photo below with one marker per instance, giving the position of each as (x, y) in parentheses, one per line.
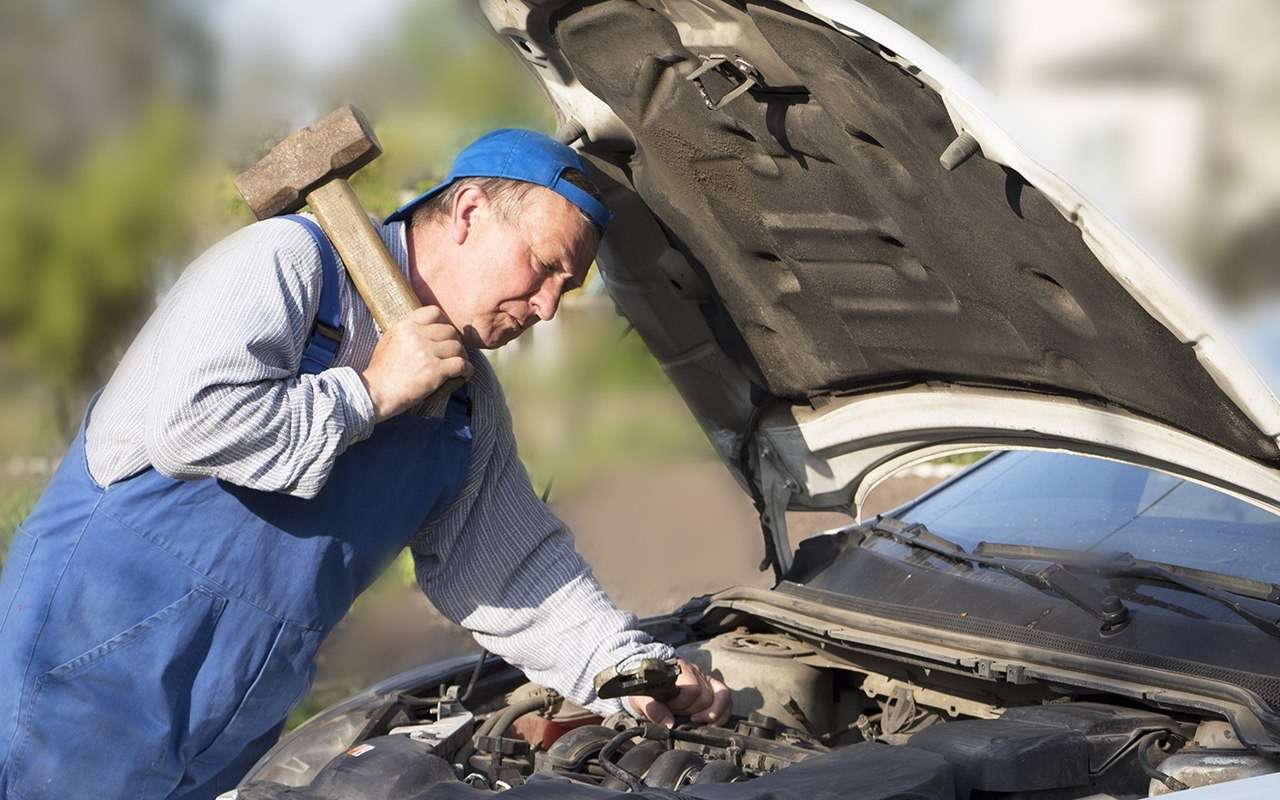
(210, 388)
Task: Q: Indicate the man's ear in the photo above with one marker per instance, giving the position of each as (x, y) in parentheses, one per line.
(469, 204)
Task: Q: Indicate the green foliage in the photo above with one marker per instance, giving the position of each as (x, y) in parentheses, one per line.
(86, 233)
(80, 249)
(452, 83)
(15, 503)
(614, 360)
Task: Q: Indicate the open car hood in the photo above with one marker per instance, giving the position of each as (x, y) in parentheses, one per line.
(845, 264)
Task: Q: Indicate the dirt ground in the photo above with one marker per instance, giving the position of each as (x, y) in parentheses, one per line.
(654, 535)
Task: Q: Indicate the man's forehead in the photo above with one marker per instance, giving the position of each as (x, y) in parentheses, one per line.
(558, 230)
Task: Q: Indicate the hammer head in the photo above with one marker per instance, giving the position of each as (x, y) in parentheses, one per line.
(334, 147)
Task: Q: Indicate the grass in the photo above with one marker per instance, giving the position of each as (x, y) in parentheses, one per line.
(16, 500)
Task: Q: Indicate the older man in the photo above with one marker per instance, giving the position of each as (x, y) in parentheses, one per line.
(258, 458)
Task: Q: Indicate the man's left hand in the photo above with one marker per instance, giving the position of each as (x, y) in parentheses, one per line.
(705, 700)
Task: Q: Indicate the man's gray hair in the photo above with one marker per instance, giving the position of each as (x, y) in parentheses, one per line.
(506, 195)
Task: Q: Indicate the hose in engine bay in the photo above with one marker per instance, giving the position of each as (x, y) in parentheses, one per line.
(1158, 740)
(653, 732)
(501, 721)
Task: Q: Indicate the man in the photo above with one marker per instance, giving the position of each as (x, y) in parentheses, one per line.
(260, 455)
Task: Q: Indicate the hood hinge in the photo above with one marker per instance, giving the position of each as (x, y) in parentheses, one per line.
(771, 490)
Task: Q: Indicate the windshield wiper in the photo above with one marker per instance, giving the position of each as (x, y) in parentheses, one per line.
(1053, 579)
(1229, 590)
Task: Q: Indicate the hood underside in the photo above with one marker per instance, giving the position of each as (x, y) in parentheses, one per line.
(790, 240)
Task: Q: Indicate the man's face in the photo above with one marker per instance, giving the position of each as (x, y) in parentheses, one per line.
(501, 277)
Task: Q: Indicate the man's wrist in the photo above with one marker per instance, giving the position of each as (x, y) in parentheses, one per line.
(359, 412)
(658, 650)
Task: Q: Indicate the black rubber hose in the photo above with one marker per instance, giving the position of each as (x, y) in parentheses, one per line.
(1145, 744)
(718, 772)
(500, 722)
(672, 768)
(630, 779)
(635, 761)
(475, 676)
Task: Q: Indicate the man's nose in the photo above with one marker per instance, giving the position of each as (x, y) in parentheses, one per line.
(547, 301)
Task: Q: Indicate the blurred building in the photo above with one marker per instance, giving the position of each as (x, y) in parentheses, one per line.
(1162, 111)
(1120, 97)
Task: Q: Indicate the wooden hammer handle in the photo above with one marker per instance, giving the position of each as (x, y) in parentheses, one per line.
(375, 273)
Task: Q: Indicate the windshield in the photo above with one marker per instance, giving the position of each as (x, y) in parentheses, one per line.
(1080, 503)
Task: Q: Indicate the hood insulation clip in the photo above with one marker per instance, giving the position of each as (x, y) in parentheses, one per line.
(741, 74)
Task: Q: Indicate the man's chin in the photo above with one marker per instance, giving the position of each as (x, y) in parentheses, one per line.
(491, 339)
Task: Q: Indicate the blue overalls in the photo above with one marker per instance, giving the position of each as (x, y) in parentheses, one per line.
(154, 633)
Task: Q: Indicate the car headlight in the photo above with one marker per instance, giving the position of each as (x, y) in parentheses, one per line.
(296, 759)
(299, 755)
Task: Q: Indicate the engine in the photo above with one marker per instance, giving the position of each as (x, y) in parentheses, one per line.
(805, 721)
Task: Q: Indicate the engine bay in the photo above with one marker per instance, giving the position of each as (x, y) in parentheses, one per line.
(807, 718)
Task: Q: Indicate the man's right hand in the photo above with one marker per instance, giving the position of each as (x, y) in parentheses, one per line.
(418, 355)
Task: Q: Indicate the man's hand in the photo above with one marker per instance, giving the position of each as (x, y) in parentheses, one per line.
(418, 355)
(705, 700)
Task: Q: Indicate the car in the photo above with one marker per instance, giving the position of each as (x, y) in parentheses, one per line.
(846, 266)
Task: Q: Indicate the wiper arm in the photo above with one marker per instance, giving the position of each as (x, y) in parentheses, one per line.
(1123, 565)
(1248, 587)
(1053, 579)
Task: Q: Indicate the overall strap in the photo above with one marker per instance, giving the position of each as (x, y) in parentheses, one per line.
(326, 333)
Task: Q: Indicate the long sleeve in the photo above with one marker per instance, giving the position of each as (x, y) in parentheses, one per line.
(225, 399)
(503, 566)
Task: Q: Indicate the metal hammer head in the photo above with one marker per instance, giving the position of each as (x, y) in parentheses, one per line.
(334, 147)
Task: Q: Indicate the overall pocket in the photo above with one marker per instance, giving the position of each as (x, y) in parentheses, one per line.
(105, 723)
(282, 681)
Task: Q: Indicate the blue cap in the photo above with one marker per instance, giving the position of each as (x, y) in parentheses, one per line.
(520, 155)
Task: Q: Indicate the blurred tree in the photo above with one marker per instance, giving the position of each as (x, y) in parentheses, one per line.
(79, 253)
(439, 84)
(102, 181)
(76, 70)
(97, 150)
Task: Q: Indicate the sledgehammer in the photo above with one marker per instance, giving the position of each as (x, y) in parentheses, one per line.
(310, 167)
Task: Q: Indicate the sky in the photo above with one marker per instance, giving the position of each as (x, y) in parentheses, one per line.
(326, 31)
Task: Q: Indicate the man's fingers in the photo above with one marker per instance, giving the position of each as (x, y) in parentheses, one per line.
(694, 691)
(451, 348)
(720, 705)
(651, 709)
(688, 687)
(704, 698)
(441, 332)
(426, 315)
(456, 367)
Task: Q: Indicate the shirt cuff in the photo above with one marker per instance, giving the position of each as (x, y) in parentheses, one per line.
(651, 650)
(355, 404)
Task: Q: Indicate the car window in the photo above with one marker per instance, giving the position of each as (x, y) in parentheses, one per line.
(1071, 501)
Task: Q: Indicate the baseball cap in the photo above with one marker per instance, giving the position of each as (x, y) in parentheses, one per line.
(521, 155)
